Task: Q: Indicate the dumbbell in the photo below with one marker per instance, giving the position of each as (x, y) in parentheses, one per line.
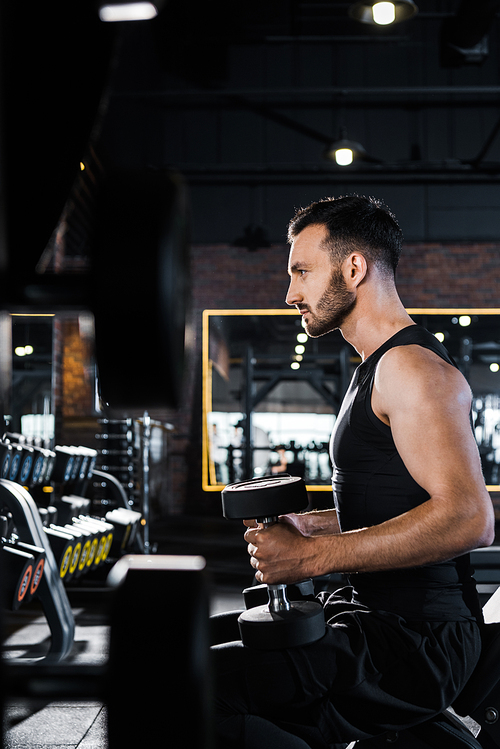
(5, 459)
(62, 545)
(94, 535)
(64, 462)
(87, 555)
(38, 554)
(125, 524)
(103, 530)
(15, 463)
(25, 474)
(17, 571)
(279, 623)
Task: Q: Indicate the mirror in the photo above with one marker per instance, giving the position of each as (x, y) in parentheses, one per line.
(31, 406)
(267, 385)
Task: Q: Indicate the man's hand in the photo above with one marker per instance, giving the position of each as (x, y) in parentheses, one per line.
(279, 553)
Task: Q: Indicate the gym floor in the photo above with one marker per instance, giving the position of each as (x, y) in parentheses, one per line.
(68, 725)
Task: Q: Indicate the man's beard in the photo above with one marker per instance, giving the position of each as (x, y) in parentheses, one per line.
(333, 307)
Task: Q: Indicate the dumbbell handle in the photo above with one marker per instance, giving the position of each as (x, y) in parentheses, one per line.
(278, 600)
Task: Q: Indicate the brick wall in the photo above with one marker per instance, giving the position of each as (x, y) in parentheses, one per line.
(73, 385)
(77, 386)
(450, 275)
(429, 275)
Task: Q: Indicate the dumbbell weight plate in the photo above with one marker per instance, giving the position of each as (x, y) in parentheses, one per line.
(62, 547)
(39, 564)
(125, 524)
(86, 539)
(96, 546)
(17, 571)
(62, 469)
(302, 624)
(51, 459)
(79, 540)
(37, 575)
(264, 497)
(106, 531)
(15, 462)
(77, 462)
(39, 466)
(82, 563)
(5, 459)
(94, 542)
(26, 467)
(88, 462)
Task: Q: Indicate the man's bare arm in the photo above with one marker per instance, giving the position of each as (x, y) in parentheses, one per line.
(314, 523)
(426, 403)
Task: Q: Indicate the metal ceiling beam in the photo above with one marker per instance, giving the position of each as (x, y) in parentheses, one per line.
(294, 93)
(403, 173)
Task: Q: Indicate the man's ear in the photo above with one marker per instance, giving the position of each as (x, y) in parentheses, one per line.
(355, 269)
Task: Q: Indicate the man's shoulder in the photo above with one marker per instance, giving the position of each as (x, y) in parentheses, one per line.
(414, 369)
(413, 355)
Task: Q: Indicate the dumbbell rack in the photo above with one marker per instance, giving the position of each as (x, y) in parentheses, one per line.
(51, 590)
(118, 454)
(59, 543)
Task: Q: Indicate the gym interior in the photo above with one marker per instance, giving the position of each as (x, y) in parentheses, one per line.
(149, 167)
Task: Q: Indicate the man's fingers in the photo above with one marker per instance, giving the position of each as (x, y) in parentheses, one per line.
(249, 535)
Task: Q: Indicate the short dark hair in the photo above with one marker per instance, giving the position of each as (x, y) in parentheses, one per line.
(354, 222)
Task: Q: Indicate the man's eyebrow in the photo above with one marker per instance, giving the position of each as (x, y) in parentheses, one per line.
(298, 266)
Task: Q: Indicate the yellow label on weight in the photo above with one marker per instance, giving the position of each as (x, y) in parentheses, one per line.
(63, 569)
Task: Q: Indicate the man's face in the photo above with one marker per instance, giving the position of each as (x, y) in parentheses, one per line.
(317, 287)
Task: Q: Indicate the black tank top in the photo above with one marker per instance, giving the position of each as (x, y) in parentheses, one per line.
(371, 484)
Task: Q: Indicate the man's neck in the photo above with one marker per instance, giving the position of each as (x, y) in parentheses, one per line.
(375, 318)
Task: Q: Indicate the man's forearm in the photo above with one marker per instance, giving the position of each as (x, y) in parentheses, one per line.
(424, 535)
(315, 523)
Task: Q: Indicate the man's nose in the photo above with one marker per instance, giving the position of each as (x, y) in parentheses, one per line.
(292, 296)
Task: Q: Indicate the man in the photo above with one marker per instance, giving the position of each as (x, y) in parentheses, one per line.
(410, 502)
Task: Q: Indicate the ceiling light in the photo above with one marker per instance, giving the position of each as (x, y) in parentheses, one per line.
(382, 13)
(23, 350)
(344, 152)
(494, 367)
(113, 12)
(295, 365)
(299, 349)
(464, 321)
(302, 337)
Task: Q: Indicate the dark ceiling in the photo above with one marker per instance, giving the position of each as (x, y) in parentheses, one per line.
(241, 99)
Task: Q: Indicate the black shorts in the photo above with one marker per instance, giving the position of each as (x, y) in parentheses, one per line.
(371, 672)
